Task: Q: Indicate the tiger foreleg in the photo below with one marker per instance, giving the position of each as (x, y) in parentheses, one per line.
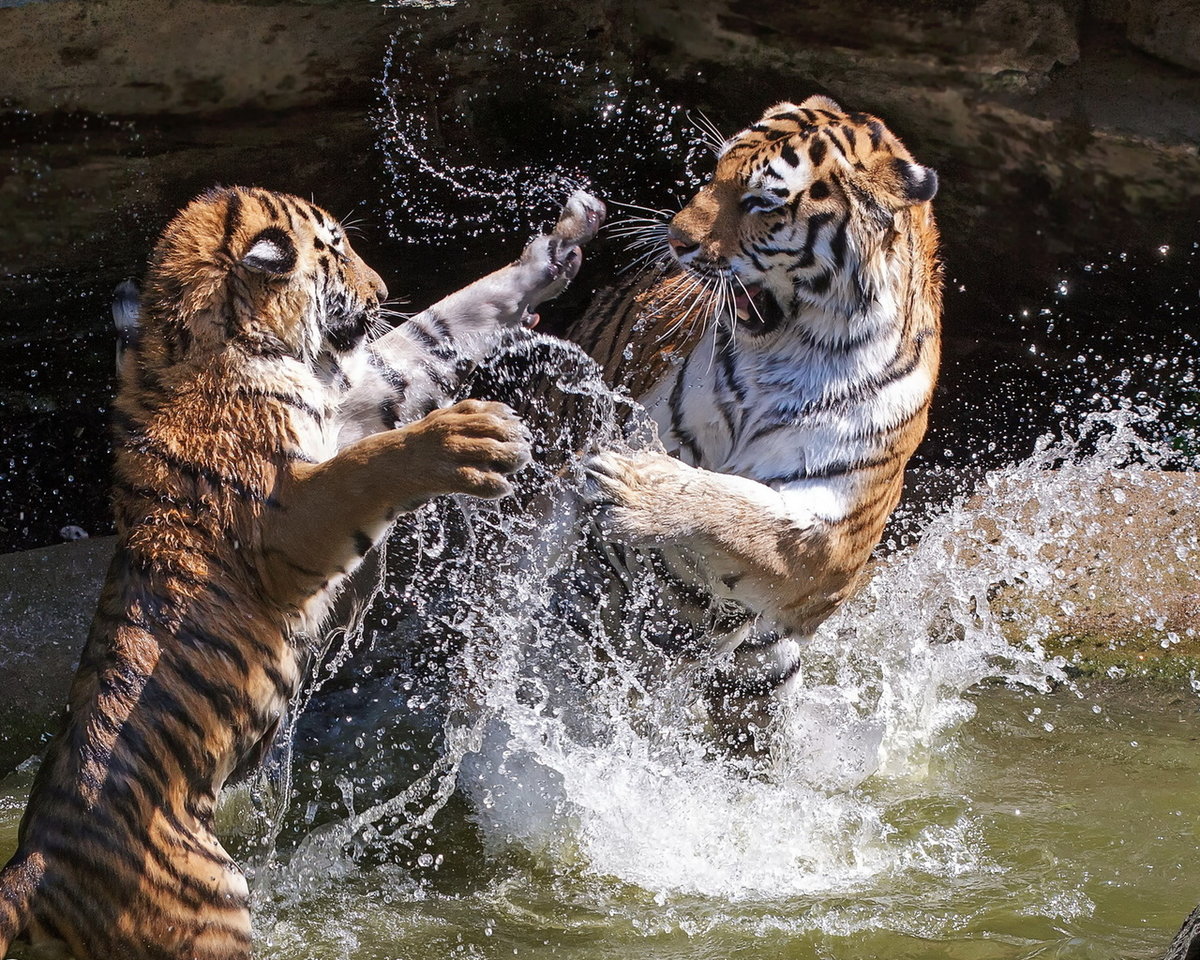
(759, 546)
(419, 364)
(510, 296)
(331, 513)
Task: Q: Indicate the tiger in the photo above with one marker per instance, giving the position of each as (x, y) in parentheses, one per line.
(263, 444)
(786, 342)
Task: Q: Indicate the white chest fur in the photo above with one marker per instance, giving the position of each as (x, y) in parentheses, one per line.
(791, 412)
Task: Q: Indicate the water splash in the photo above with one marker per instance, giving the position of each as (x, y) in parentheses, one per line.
(464, 167)
(573, 750)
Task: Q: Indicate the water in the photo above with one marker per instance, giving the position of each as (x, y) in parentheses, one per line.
(462, 166)
(477, 778)
(938, 786)
(963, 798)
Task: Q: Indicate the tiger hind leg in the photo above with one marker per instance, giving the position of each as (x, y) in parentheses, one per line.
(178, 897)
(18, 883)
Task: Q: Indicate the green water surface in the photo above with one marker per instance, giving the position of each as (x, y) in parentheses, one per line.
(1070, 834)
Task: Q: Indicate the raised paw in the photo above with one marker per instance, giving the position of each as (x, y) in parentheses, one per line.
(552, 261)
(582, 216)
(642, 500)
(472, 447)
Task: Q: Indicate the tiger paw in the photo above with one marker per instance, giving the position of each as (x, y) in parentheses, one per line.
(553, 260)
(644, 500)
(471, 447)
(582, 216)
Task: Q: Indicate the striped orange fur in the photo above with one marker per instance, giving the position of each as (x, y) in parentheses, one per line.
(786, 340)
(241, 505)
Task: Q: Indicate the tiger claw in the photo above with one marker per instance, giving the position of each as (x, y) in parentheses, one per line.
(604, 479)
(582, 216)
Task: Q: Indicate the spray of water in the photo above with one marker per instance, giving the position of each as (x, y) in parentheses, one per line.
(462, 167)
(590, 753)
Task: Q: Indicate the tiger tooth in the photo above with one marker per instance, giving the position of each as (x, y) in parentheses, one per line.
(743, 313)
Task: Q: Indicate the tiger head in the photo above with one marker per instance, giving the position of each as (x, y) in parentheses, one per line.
(800, 217)
(266, 273)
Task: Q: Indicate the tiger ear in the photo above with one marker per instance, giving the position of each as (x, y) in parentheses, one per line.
(818, 101)
(918, 184)
(272, 252)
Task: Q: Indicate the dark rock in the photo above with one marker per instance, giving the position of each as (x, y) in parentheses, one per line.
(1168, 29)
(47, 599)
(1058, 139)
(1186, 945)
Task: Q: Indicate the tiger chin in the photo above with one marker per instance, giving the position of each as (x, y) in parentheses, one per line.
(787, 346)
(262, 446)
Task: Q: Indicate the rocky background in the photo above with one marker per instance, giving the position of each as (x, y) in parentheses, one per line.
(1064, 131)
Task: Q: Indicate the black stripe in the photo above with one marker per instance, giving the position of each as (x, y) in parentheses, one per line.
(268, 204)
(839, 468)
(837, 245)
(807, 258)
(417, 333)
(362, 543)
(440, 327)
(197, 473)
(392, 376)
(732, 411)
(233, 705)
(817, 151)
(290, 400)
(680, 432)
(233, 218)
(200, 640)
(829, 132)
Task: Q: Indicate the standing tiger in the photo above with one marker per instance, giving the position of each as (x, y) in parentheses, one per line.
(786, 344)
(255, 465)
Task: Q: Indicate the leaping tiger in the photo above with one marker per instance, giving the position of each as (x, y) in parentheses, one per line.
(255, 465)
(787, 345)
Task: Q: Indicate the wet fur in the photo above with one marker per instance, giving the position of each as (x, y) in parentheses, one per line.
(256, 464)
(788, 430)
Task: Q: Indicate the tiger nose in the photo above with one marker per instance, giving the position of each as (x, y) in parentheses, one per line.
(679, 244)
(375, 281)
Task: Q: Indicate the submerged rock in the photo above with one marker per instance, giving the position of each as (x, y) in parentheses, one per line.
(1186, 945)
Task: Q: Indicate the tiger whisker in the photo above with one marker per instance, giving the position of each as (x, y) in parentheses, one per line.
(680, 293)
(625, 227)
(749, 299)
(654, 230)
(661, 214)
(678, 297)
(647, 259)
(658, 243)
(710, 136)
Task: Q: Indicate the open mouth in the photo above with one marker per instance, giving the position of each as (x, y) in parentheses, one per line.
(345, 333)
(757, 309)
